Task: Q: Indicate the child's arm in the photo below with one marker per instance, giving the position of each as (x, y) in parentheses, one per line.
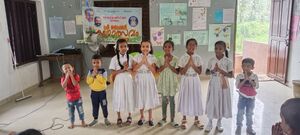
(176, 71)
(75, 79)
(197, 69)
(254, 83)
(162, 67)
(185, 68)
(151, 67)
(136, 66)
(90, 78)
(193, 65)
(241, 83)
(64, 81)
(221, 71)
(228, 74)
(101, 79)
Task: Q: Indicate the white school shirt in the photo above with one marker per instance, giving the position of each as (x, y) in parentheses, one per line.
(150, 58)
(185, 59)
(114, 64)
(224, 64)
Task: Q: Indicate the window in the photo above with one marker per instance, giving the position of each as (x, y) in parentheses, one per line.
(23, 30)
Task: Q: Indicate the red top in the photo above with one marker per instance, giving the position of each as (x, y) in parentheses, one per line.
(72, 92)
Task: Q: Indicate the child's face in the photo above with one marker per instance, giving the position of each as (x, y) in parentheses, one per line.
(219, 50)
(247, 67)
(96, 63)
(67, 68)
(191, 47)
(123, 47)
(168, 48)
(284, 126)
(145, 47)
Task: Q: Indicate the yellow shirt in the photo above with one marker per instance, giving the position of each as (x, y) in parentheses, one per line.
(97, 83)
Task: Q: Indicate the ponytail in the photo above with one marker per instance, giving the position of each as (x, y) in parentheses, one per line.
(226, 52)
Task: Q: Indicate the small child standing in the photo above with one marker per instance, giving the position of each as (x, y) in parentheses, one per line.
(96, 79)
(123, 99)
(190, 97)
(218, 103)
(247, 83)
(146, 91)
(167, 81)
(70, 82)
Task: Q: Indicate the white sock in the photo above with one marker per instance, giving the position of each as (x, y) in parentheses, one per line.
(219, 123)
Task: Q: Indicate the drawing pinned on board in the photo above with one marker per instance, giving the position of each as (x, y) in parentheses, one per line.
(157, 35)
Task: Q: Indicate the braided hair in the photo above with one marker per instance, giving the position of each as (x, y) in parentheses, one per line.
(121, 40)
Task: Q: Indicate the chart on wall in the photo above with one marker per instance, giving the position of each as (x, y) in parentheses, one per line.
(110, 24)
(173, 14)
(176, 38)
(219, 32)
(200, 36)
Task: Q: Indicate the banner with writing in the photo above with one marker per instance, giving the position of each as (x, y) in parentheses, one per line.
(110, 24)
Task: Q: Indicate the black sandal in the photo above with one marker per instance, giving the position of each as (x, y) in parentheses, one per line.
(141, 122)
(119, 122)
(151, 123)
(129, 120)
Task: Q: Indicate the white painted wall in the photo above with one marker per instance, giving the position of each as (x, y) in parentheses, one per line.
(294, 61)
(15, 80)
(294, 57)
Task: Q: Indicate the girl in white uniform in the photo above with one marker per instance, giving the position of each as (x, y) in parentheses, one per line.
(218, 103)
(145, 85)
(123, 98)
(190, 97)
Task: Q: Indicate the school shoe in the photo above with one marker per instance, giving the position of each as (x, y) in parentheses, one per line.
(209, 126)
(95, 121)
(151, 123)
(219, 126)
(106, 122)
(250, 131)
(238, 130)
(141, 122)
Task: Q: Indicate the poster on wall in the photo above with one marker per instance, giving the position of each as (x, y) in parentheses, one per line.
(70, 28)
(228, 15)
(173, 14)
(176, 38)
(200, 36)
(56, 27)
(110, 24)
(218, 16)
(199, 18)
(219, 32)
(157, 36)
(199, 3)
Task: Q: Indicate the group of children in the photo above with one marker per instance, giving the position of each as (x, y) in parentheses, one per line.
(134, 86)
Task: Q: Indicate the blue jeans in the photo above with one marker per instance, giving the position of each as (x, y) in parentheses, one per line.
(79, 107)
(248, 104)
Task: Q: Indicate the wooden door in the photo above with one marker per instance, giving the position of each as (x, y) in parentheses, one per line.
(279, 39)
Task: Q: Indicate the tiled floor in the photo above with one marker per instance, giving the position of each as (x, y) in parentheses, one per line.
(49, 102)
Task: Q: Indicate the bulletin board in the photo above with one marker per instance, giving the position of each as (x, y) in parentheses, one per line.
(205, 20)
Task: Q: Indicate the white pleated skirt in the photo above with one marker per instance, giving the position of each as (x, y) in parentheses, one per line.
(146, 92)
(218, 102)
(190, 97)
(123, 93)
